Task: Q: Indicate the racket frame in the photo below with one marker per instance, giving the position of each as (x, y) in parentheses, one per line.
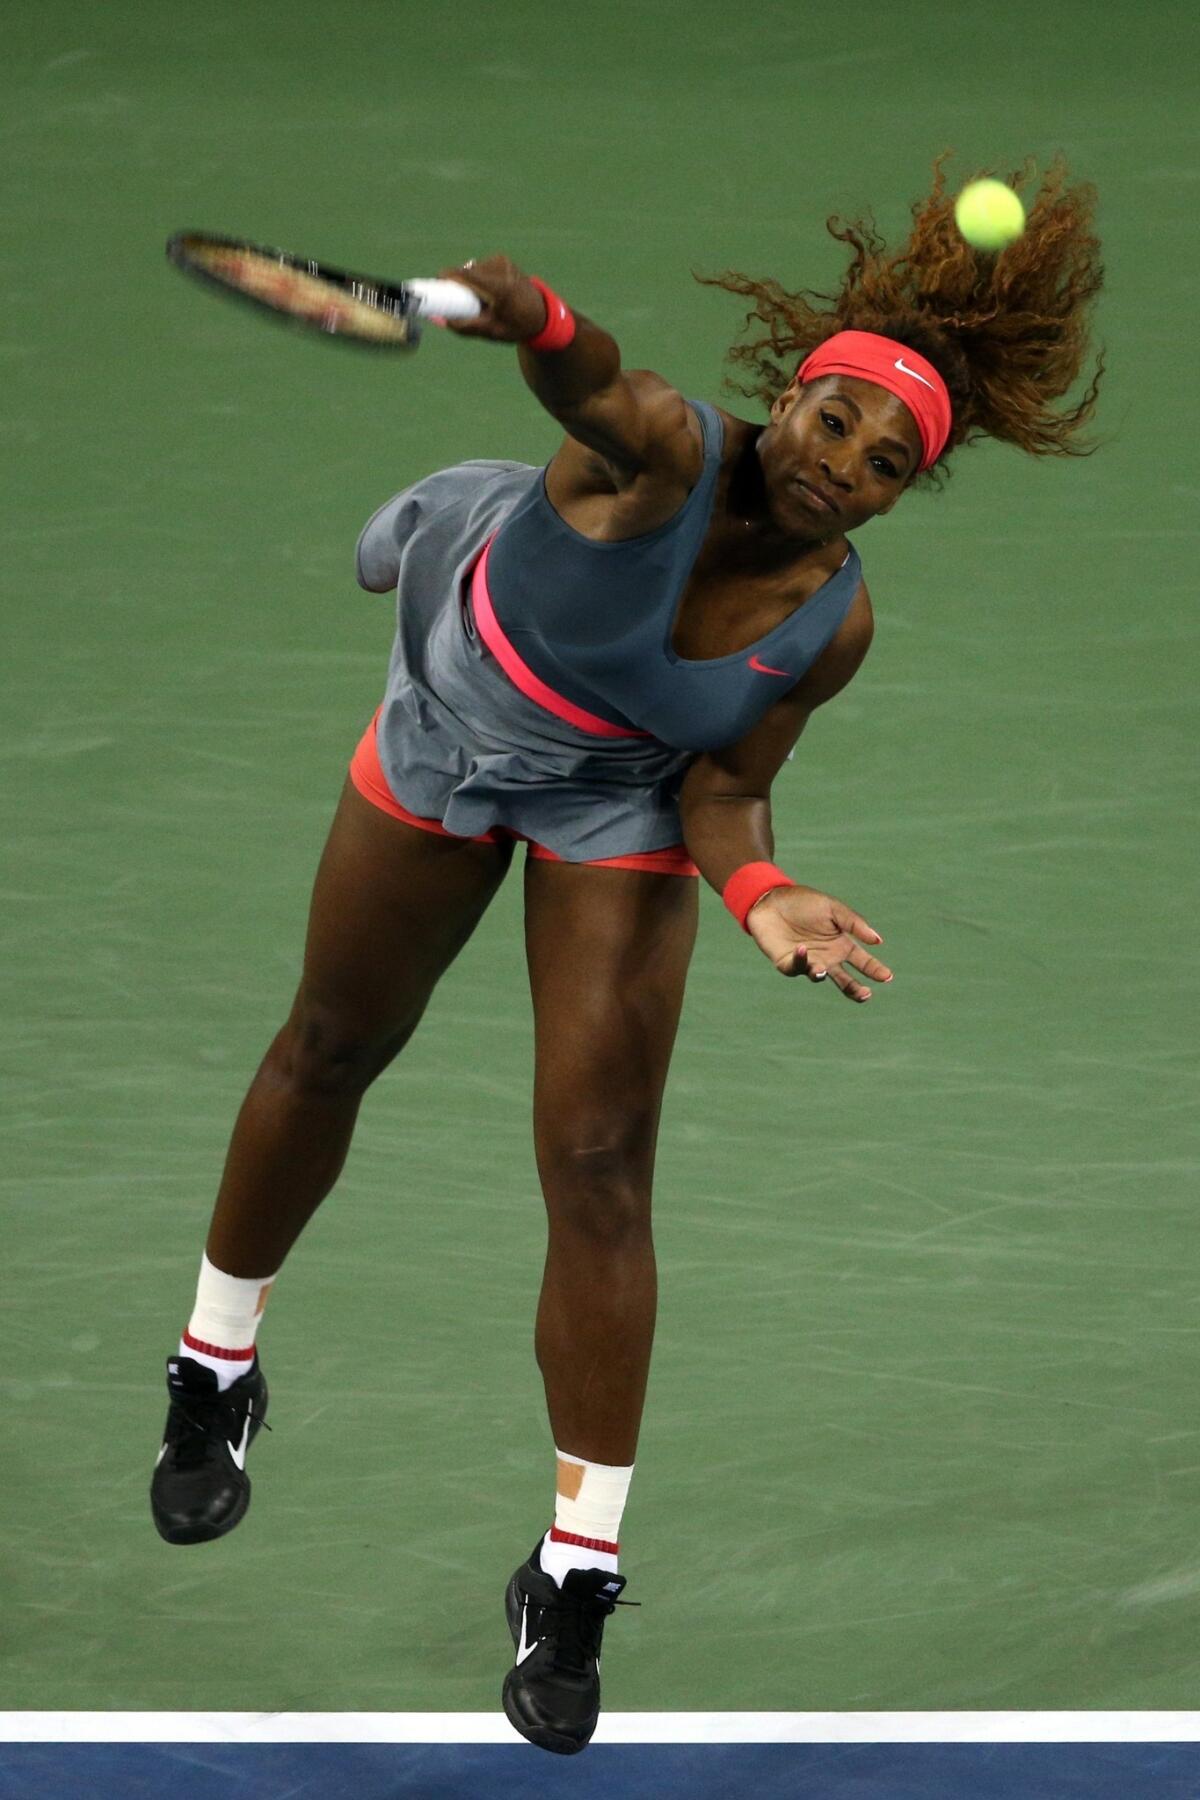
(394, 299)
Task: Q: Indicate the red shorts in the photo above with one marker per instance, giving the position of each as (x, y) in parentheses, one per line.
(366, 773)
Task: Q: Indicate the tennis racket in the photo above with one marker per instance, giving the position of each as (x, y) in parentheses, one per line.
(301, 291)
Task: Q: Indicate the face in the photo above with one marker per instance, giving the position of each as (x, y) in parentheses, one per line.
(841, 437)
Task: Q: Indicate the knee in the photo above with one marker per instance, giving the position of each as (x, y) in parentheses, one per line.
(320, 1052)
(597, 1181)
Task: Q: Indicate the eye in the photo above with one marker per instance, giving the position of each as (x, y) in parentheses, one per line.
(884, 467)
(831, 419)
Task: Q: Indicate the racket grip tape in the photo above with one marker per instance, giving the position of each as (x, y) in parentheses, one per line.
(445, 299)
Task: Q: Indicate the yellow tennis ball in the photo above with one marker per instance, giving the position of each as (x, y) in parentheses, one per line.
(989, 215)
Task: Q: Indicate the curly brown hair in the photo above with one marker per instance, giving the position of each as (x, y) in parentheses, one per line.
(1008, 333)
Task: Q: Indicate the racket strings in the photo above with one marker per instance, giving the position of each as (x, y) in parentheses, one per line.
(333, 302)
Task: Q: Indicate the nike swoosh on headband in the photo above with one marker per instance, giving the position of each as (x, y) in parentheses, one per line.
(906, 371)
(762, 668)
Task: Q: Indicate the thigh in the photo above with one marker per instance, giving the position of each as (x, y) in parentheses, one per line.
(392, 906)
(608, 953)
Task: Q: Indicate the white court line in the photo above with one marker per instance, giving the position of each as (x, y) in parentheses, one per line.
(614, 1728)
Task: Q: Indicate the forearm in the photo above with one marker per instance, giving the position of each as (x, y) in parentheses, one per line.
(566, 379)
(580, 383)
(722, 832)
(802, 931)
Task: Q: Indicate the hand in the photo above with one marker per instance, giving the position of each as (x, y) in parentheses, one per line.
(513, 309)
(807, 933)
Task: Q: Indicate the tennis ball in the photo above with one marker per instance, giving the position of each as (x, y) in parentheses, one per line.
(989, 215)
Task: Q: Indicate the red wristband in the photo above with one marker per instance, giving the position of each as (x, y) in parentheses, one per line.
(559, 328)
(750, 883)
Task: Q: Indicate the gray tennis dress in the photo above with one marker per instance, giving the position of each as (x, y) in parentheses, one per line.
(591, 622)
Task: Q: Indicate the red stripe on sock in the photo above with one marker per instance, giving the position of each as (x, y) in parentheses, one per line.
(216, 1350)
(569, 1537)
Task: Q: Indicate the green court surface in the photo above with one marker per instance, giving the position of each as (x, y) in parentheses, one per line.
(921, 1430)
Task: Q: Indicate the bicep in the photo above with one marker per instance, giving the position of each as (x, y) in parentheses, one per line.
(747, 767)
(639, 425)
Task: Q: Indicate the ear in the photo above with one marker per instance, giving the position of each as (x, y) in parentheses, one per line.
(783, 403)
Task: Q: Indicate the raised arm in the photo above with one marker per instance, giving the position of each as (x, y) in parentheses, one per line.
(638, 427)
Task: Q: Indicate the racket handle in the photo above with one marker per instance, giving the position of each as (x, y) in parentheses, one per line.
(445, 299)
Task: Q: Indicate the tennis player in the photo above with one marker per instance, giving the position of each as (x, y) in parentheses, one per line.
(609, 659)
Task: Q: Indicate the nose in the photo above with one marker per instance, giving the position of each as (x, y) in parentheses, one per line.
(837, 471)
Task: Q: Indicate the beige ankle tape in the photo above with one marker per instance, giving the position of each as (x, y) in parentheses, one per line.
(590, 1497)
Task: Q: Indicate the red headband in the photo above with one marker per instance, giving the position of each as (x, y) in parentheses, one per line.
(895, 367)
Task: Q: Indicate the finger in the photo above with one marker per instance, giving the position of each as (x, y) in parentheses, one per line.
(853, 990)
(856, 926)
(806, 964)
(793, 961)
(869, 965)
(485, 325)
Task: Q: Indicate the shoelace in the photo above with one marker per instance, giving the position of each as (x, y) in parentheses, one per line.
(578, 1621)
(193, 1448)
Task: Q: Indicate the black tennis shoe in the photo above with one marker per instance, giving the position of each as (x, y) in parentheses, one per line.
(552, 1692)
(200, 1488)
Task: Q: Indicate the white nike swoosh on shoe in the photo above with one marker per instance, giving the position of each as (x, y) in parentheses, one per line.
(915, 376)
(238, 1451)
(160, 1456)
(525, 1648)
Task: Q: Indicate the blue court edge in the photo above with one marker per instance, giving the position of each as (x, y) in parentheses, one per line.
(638, 1756)
(311, 1771)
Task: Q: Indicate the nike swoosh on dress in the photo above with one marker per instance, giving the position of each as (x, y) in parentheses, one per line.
(762, 668)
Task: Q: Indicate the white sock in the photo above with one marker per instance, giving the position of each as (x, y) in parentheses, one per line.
(220, 1333)
(588, 1503)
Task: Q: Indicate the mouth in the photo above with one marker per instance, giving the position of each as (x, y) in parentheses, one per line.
(819, 498)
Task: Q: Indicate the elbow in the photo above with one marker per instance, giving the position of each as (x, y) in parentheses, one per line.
(691, 799)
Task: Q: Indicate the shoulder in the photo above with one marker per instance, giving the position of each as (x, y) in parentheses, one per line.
(659, 401)
(736, 432)
(842, 655)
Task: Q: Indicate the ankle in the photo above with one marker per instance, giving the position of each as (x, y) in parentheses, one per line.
(221, 1332)
(588, 1503)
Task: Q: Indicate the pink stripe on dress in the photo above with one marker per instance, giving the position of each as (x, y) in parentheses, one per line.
(519, 672)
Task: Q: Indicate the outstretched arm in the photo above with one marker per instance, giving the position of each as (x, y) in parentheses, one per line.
(725, 807)
(638, 427)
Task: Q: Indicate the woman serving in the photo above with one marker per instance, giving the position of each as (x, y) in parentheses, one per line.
(609, 659)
